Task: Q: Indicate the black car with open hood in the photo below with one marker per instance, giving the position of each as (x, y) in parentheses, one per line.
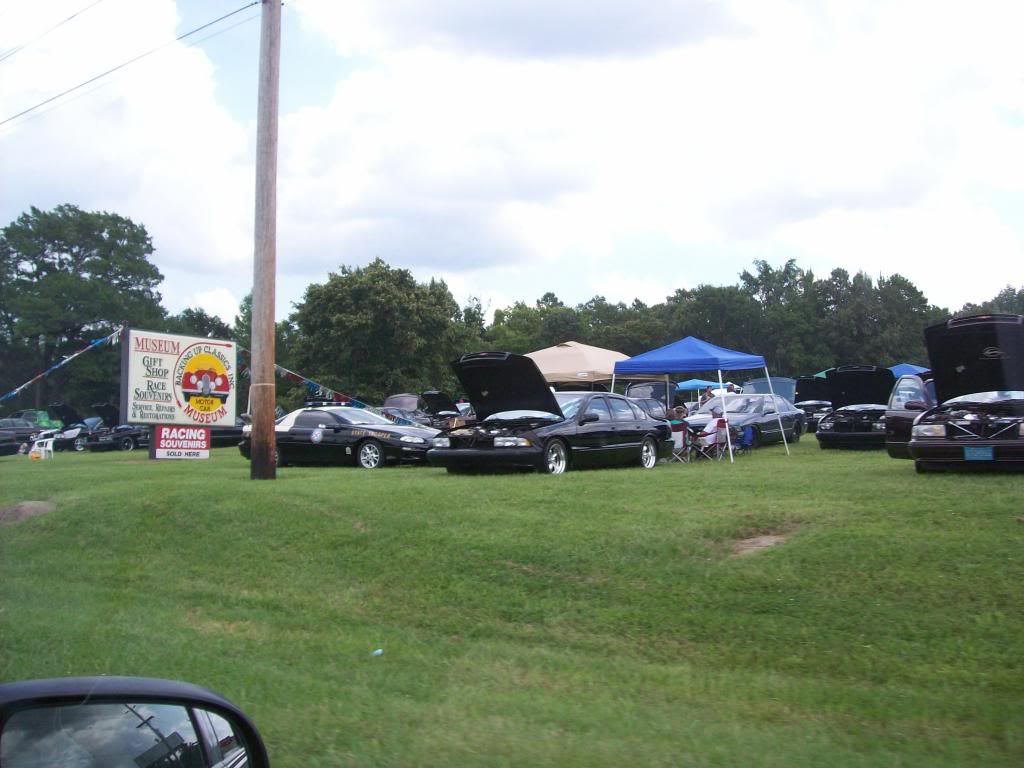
(522, 424)
(115, 436)
(76, 430)
(431, 409)
(859, 394)
(811, 396)
(978, 367)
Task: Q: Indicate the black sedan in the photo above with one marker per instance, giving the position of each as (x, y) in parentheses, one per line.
(116, 436)
(344, 435)
(522, 424)
(978, 367)
(21, 431)
(768, 416)
(859, 394)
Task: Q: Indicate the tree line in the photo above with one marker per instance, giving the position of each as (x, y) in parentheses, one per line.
(69, 276)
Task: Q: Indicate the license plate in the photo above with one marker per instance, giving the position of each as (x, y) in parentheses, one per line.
(978, 453)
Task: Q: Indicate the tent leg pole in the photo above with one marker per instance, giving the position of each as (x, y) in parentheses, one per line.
(725, 414)
(778, 416)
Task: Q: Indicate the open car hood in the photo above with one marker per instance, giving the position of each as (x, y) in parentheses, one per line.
(405, 401)
(110, 414)
(811, 388)
(501, 381)
(65, 413)
(439, 402)
(856, 384)
(980, 353)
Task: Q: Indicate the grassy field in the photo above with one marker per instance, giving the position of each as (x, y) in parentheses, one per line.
(594, 619)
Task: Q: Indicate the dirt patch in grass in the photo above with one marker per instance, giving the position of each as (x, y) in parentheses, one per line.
(757, 543)
(25, 510)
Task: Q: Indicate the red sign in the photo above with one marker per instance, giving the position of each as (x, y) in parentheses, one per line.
(177, 442)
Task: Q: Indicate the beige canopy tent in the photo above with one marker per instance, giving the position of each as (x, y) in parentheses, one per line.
(571, 361)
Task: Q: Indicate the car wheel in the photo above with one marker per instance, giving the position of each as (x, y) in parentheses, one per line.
(79, 444)
(922, 467)
(371, 455)
(648, 453)
(556, 458)
(755, 439)
(127, 444)
(795, 437)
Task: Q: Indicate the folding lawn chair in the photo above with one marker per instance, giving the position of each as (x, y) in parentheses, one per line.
(682, 442)
(712, 443)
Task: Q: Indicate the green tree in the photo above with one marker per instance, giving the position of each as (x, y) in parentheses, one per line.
(372, 331)
(70, 276)
(194, 321)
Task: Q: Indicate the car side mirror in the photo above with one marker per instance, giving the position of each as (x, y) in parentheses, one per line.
(589, 418)
(123, 721)
(915, 405)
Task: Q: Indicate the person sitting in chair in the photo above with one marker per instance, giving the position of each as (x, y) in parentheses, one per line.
(709, 437)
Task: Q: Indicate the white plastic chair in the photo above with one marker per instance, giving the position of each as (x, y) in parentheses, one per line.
(42, 448)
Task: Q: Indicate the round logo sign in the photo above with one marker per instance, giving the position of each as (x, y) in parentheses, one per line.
(203, 381)
(317, 435)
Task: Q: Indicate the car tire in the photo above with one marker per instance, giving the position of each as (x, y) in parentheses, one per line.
(795, 437)
(648, 453)
(127, 444)
(755, 438)
(79, 444)
(556, 458)
(370, 455)
(921, 467)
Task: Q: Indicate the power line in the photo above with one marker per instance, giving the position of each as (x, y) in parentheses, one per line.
(36, 39)
(104, 85)
(130, 61)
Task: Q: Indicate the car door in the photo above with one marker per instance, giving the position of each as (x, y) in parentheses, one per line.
(592, 443)
(625, 442)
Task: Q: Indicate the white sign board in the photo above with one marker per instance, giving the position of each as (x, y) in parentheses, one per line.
(168, 379)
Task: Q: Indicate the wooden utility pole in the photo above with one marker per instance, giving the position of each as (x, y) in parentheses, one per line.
(263, 392)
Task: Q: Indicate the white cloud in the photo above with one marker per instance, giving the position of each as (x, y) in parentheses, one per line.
(553, 146)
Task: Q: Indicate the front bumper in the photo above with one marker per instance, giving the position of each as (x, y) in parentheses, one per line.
(490, 458)
(850, 439)
(974, 453)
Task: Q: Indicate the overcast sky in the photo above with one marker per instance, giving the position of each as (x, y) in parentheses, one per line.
(584, 147)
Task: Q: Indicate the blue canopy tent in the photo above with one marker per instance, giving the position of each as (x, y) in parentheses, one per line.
(904, 369)
(693, 354)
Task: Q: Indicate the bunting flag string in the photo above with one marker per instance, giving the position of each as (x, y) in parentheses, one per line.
(321, 392)
(105, 341)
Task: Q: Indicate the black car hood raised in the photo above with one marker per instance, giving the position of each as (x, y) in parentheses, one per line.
(855, 384)
(110, 414)
(981, 353)
(405, 401)
(811, 388)
(438, 402)
(65, 413)
(501, 381)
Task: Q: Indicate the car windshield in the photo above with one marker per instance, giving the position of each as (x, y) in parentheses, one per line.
(989, 397)
(361, 416)
(569, 402)
(733, 404)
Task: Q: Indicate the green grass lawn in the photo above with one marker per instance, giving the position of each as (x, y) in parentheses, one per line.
(594, 619)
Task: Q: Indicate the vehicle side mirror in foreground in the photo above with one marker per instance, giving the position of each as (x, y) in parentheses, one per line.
(915, 405)
(123, 721)
(590, 418)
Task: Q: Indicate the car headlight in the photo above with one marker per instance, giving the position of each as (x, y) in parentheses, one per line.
(824, 426)
(928, 430)
(411, 439)
(511, 442)
(878, 426)
(442, 442)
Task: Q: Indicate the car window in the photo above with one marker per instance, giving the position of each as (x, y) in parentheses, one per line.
(312, 420)
(638, 411)
(621, 410)
(599, 406)
(360, 416)
(905, 391)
